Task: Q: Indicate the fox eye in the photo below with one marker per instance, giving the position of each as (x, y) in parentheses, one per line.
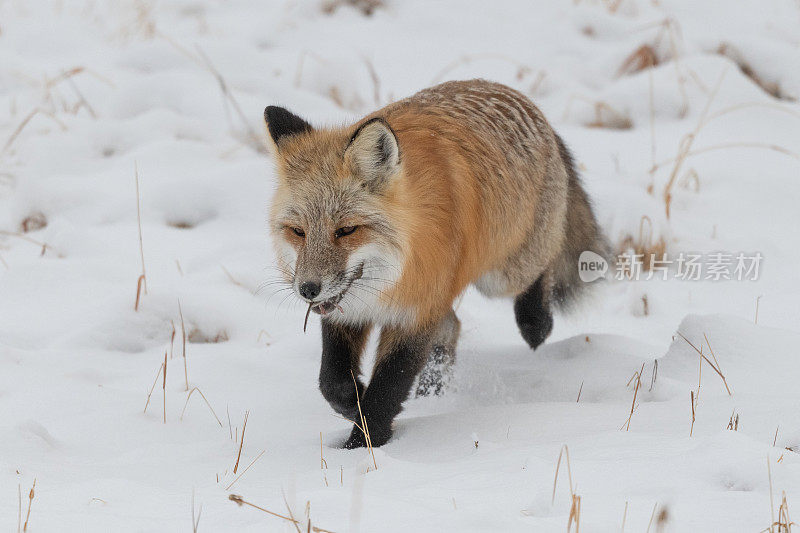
(347, 230)
(299, 232)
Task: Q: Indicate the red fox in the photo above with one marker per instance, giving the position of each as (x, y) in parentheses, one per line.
(384, 223)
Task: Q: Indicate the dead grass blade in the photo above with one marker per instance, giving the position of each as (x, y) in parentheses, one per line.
(255, 141)
(685, 145)
(241, 501)
(31, 495)
(575, 505)
(27, 121)
(141, 283)
(164, 387)
(305, 322)
(185, 405)
(26, 238)
(158, 374)
(640, 59)
(363, 427)
(246, 469)
(183, 339)
(241, 442)
(564, 450)
(195, 521)
(707, 360)
(638, 376)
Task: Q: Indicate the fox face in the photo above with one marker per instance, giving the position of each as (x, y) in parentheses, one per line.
(336, 243)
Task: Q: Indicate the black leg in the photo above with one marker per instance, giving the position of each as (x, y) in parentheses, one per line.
(401, 356)
(442, 356)
(532, 311)
(341, 352)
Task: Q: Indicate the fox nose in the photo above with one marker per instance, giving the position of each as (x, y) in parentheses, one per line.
(309, 290)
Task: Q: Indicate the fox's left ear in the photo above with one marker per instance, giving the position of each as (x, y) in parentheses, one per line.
(374, 152)
(282, 123)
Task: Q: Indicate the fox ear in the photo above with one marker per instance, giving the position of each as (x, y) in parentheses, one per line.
(374, 152)
(282, 123)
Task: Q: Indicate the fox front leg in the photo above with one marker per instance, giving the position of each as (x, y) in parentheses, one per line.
(342, 345)
(401, 356)
(438, 369)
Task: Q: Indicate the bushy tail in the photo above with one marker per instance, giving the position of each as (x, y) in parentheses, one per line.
(582, 233)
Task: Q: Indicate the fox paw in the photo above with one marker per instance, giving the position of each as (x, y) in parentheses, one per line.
(341, 395)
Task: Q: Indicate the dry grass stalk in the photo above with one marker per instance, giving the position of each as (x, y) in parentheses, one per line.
(564, 451)
(376, 81)
(579, 393)
(640, 59)
(158, 374)
(254, 139)
(364, 427)
(238, 500)
(323, 464)
(775, 438)
(195, 521)
(31, 495)
(232, 279)
(713, 366)
(263, 333)
(726, 146)
(183, 340)
(164, 387)
(654, 375)
(305, 321)
(241, 501)
(141, 283)
(685, 145)
(638, 376)
(770, 87)
(172, 340)
(27, 121)
(23, 237)
(652, 115)
(784, 523)
(246, 469)
(694, 405)
(185, 405)
(669, 29)
(201, 59)
(241, 443)
(733, 423)
(661, 518)
(574, 514)
(651, 250)
(575, 506)
(291, 515)
(699, 377)
(624, 517)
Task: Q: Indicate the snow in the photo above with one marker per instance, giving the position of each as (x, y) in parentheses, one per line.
(77, 361)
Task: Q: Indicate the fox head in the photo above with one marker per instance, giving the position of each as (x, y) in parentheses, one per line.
(331, 217)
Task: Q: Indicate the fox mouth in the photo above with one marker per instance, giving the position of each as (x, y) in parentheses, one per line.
(331, 304)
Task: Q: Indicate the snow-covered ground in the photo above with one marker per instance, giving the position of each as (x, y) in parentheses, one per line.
(91, 90)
